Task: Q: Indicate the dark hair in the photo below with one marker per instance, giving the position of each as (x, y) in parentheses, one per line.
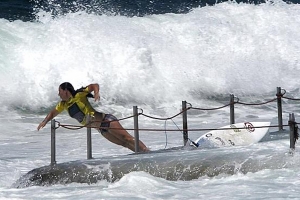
(68, 86)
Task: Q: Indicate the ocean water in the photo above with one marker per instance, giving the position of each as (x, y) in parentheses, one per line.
(153, 60)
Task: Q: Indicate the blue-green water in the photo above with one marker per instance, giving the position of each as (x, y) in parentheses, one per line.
(25, 9)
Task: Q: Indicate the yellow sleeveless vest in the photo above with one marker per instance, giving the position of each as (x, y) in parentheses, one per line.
(78, 106)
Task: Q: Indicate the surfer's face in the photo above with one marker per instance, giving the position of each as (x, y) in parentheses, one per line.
(63, 94)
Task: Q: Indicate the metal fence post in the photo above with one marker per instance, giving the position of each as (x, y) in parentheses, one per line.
(136, 129)
(232, 120)
(89, 138)
(279, 107)
(53, 160)
(184, 125)
(292, 125)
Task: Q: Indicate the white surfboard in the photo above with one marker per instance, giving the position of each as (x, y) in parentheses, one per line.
(240, 134)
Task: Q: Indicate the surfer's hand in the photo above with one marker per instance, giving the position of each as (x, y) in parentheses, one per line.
(41, 125)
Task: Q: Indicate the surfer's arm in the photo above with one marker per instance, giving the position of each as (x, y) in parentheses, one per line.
(53, 113)
(94, 88)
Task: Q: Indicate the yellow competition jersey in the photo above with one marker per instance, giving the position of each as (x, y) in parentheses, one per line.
(78, 106)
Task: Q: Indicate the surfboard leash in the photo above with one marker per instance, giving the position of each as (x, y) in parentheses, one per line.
(194, 143)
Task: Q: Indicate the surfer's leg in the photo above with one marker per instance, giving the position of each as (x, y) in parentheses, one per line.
(117, 134)
(124, 137)
(109, 136)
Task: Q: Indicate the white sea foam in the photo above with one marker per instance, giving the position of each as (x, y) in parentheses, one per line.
(153, 62)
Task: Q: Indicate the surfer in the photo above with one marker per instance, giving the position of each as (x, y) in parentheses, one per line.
(78, 107)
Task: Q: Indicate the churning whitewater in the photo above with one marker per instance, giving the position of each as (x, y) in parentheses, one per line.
(154, 61)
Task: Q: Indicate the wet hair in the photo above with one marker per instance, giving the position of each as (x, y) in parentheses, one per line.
(68, 86)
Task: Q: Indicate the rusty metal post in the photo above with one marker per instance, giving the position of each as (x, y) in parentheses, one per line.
(53, 159)
(136, 129)
(279, 108)
(184, 125)
(292, 130)
(232, 120)
(89, 138)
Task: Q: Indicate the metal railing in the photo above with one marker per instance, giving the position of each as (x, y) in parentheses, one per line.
(291, 123)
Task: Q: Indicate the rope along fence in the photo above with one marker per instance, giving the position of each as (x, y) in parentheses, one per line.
(185, 107)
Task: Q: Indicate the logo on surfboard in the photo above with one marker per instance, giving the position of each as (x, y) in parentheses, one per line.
(235, 129)
(249, 127)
